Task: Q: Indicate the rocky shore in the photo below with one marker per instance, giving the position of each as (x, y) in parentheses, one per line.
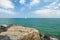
(20, 33)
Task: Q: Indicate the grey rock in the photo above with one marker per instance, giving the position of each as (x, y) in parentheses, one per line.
(4, 37)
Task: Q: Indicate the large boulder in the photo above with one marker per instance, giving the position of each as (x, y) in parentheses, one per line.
(20, 33)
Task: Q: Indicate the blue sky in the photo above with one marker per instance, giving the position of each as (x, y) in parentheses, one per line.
(29, 8)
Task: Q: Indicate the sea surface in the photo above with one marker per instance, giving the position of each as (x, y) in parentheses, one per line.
(47, 26)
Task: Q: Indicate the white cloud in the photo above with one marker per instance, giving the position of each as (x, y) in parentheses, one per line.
(34, 2)
(22, 1)
(6, 11)
(48, 13)
(6, 4)
(54, 5)
(51, 0)
(31, 3)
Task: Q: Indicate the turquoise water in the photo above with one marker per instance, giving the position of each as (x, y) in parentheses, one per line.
(48, 26)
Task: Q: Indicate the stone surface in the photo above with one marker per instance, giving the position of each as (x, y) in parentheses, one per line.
(20, 33)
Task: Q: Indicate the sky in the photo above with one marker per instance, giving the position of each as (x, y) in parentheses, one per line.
(29, 8)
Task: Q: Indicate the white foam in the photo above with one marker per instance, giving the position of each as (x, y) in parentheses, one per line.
(53, 38)
(4, 25)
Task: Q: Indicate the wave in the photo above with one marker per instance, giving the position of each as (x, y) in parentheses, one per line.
(54, 38)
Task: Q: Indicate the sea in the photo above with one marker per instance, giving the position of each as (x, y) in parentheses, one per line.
(46, 26)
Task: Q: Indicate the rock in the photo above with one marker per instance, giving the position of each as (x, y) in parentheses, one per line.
(5, 37)
(46, 37)
(21, 33)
